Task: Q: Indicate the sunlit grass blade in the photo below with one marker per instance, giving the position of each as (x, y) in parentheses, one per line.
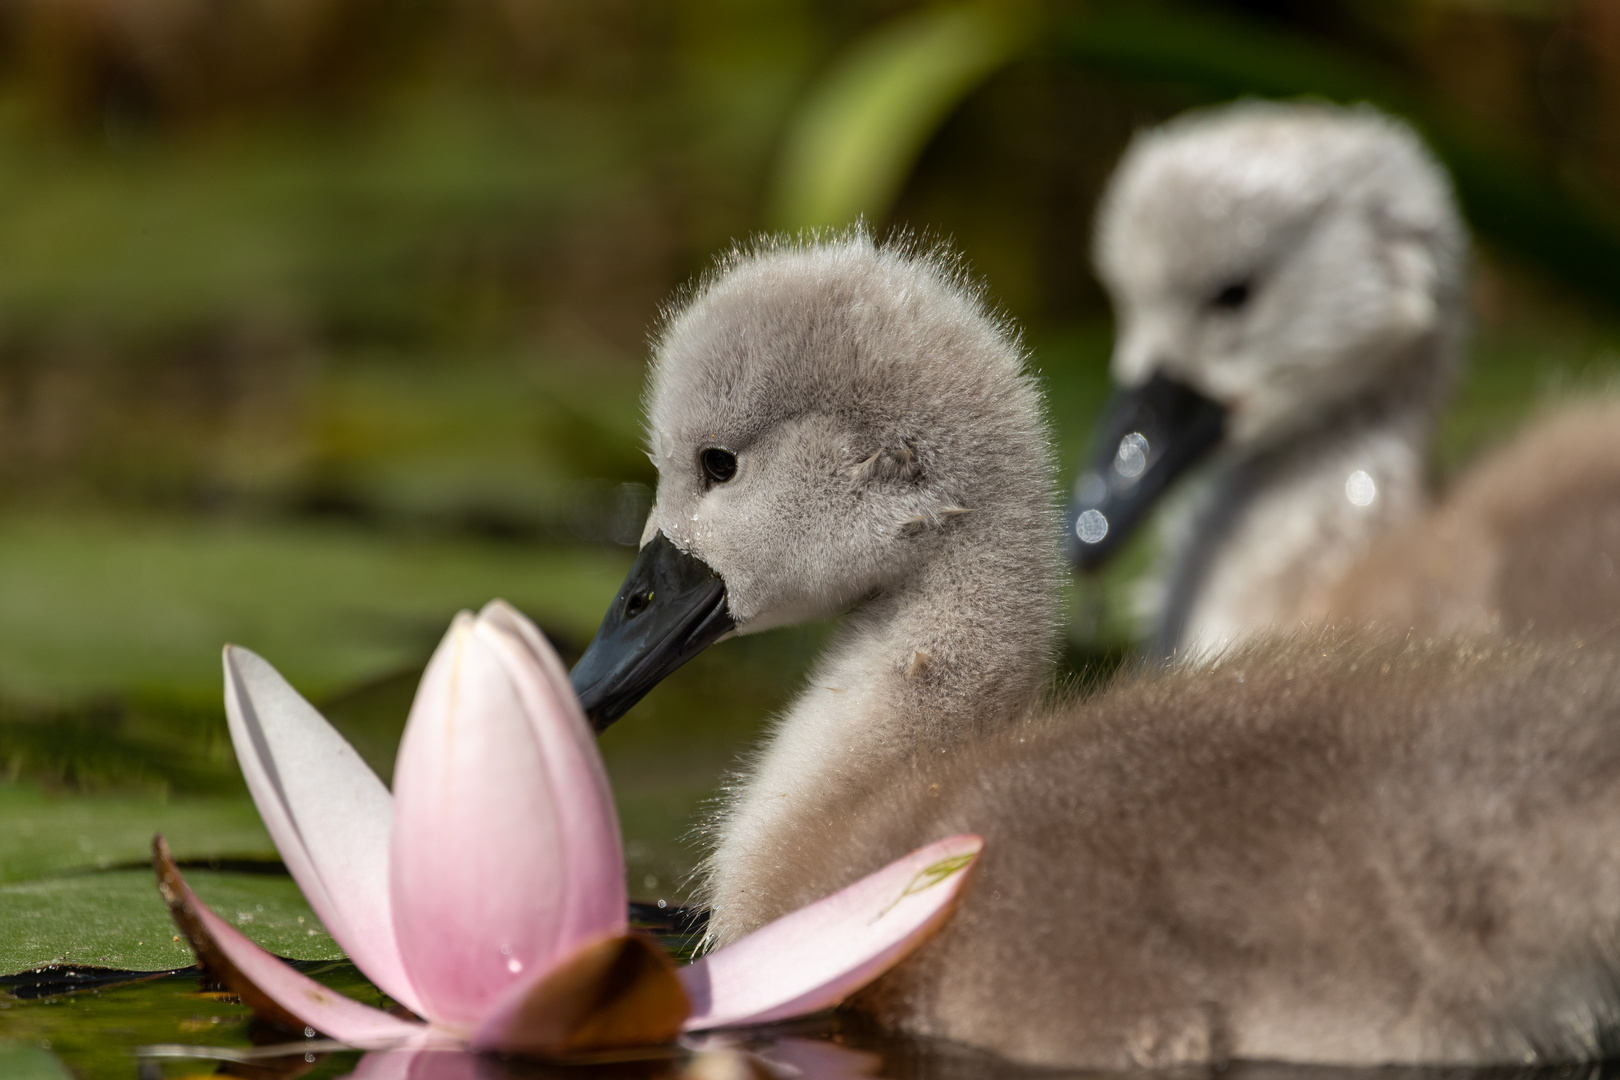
(857, 135)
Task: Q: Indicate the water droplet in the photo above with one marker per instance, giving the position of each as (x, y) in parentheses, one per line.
(1360, 489)
(1131, 459)
(1091, 527)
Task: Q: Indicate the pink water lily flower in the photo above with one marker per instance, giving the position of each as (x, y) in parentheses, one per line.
(486, 893)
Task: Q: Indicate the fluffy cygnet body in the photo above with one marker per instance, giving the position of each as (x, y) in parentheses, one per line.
(1301, 269)
(1324, 850)
(1527, 541)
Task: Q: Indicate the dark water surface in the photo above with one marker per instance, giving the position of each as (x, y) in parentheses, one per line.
(96, 1024)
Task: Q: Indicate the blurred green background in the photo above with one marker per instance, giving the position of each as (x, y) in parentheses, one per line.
(320, 319)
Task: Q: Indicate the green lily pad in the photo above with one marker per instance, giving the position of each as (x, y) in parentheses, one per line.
(115, 919)
(50, 833)
(58, 904)
(21, 1062)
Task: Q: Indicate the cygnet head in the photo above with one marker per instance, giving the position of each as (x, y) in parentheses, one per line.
(826, 419)
(1270, 266)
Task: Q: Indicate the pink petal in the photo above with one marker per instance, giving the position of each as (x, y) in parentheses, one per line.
(819, 1059)
(421, 1065)
(325, 1010)
(327, 812)
(819, 955)
(485, 848)
(594, 904)
(384, 1065)
(790, 1058)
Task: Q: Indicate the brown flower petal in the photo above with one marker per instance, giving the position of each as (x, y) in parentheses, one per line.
(210, 958)
(615, 993)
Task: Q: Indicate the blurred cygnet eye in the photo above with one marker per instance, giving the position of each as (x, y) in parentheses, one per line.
(719, 465)
(1231, 296)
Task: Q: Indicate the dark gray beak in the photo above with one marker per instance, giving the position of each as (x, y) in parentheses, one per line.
(671, 607)
(1149, 435)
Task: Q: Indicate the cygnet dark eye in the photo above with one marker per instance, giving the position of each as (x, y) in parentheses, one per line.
(719, 465)
(1231, 296)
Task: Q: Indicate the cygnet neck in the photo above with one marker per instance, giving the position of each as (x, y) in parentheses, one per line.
(960, 646)
(1258, 543)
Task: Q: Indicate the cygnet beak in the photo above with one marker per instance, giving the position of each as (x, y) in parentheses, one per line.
(1149, 435)
(671, 607)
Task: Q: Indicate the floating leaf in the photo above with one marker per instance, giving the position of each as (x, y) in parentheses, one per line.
(30, 1063)
(115, 919)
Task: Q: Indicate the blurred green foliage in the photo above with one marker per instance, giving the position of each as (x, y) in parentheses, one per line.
(1508, 193)
(848, 150)
(99, 606)
(397, 262)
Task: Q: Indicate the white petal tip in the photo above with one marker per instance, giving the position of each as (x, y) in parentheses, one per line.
(499, 609)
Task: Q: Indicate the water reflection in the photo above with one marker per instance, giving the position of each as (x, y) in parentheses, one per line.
(1131, 459)
(1360, 489)
(458, 1065)
(842, 1052)
(723, 1058)
(1091, 526)
(1150, 434)
(96, 1030)
(726, 1056)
